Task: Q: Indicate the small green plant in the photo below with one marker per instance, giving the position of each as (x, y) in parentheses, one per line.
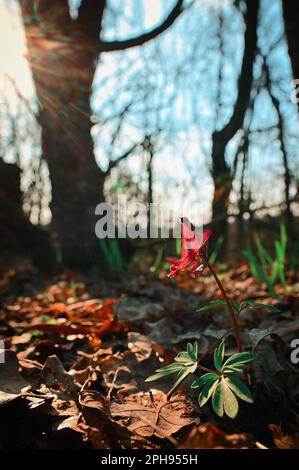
(112, 253)
(267, 268)
(223, 385)
(238, 307)
(214, 255)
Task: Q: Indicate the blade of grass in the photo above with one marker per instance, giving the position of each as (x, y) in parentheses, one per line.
(215, 252)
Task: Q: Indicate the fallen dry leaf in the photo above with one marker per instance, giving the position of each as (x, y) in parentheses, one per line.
(152, 415)
(208, 436)
(86, 348)
(54, 376)
(139, 345)
(283, 440)
(11, 381)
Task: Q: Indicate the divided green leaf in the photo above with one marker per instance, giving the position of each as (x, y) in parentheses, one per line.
(252, 303)
(214, 304)
(219, 355)
(224, 389)
(239, 388)
(206, 392)
(210, 377)
(238, 359)
(185, 364)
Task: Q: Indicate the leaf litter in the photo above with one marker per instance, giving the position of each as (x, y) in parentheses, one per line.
(78, 350)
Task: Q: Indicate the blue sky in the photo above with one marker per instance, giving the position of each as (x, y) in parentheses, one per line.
(192, 48)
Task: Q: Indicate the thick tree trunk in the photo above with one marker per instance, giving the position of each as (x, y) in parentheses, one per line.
(222, 185)
(287, 173)
(291, 20)
(77, 187)
(221, 171)
(63, 55)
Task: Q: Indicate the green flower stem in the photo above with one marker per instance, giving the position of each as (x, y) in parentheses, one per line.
(229, 305)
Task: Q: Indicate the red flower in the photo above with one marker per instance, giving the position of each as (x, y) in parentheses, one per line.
(193, 247)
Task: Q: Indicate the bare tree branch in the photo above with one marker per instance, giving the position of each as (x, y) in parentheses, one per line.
(141, 39)
(221, 171)
(246, 74)
(115, 162)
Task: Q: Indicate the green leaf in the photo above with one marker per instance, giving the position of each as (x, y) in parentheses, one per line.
(154, 377)
(213, 256)
(191, 352)
(206, 392)
(230, 403)
(105, 251)
(274, 272)
(170, 368)
(239, 388)
(118, 259)
(217, 399)
(224, 401)
(188, 357)
(219, 355)
(212, 305)
(258, 272)
(216, 304)
(264, 256)
(195, 349)
(239, 367)
(204, 379)
(242, 358)
(178, 246)
(164, 371)
(183, 373)
(252, 303)
(184, 358)
(252, 261)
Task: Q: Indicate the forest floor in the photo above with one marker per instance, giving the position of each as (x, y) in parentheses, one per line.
(79, 348)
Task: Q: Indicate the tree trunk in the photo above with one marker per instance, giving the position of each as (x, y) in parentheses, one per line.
(77, 187)
(222, 184)
(291, 20)
(282, 140)
(221, 171)
(63, 55)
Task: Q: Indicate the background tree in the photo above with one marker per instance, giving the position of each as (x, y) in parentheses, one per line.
(194, 94)
(63, 54)
(291, 15)
(221, 171)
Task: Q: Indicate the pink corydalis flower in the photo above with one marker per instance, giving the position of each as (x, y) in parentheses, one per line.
(193, 247)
